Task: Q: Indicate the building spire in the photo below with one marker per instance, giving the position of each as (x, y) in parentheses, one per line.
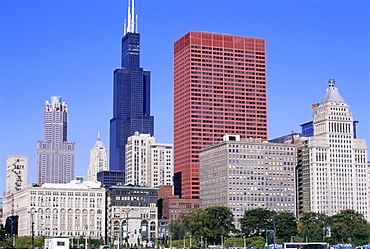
(331, 82)
(131, 23)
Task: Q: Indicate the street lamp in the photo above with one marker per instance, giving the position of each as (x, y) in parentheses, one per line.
(244, 241)
(190, 241)
(32, 227)
(184, 241)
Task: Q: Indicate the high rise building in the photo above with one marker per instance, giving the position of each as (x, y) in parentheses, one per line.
(148, 163)
(55, 156)
(332, 168)
(248, 174)
(16, 173)
(131, 96)
(219, 88)
(98, 160)
(137, 163)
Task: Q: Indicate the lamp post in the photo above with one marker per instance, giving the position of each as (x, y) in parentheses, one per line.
(184, 241)
(32, 228)
(244, 241)
(170, 242)
(190, 241)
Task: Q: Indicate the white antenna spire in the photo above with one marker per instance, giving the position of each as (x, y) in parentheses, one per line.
(130, 27)
(137, 23)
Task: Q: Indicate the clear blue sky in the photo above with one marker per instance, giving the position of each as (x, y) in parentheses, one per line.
(71, 47)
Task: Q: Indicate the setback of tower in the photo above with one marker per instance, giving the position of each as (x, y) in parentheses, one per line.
(219, 88)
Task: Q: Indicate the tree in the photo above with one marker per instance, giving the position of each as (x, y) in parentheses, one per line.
(256, 242)
(311, 226)
(349, 226)
(286, 226)
(210, 223)
(188, 224)
(218, 222)
(255, 221)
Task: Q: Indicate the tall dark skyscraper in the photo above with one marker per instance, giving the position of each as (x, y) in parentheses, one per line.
(131, 95)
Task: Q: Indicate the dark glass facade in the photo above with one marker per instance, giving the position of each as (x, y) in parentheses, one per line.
(111, 177)
(131, 101)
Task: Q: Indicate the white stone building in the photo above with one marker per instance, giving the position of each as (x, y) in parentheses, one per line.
(16, 173)
(148, 163)
(98, 160)
(248, 174)
(74, 209)
(332, 164)
(160, 161)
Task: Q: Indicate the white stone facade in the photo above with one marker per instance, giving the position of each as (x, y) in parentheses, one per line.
(160, 161)
(16, 173)
(333, 163)
(98, 160)
(148, 163)
(72, 209)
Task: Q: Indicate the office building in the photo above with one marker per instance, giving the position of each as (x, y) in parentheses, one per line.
(16, 174)
(219, 88)
(111, 177)
(160, 161)
(131, 96)
(148, 163)
(332, 169)
(132, 215)
(73, 209)
(98, 160)
(248, 174)
(55, 156)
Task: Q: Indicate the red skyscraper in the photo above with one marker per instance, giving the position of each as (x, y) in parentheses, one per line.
(219, 88)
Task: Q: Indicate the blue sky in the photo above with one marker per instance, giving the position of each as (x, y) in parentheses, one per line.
(71, 47)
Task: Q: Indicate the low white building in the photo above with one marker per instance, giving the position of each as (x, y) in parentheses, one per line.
(74, 209)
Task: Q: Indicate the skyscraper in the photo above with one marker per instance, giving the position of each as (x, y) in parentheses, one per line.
(332, 169)
(219, 88)
(98, 160)
(148, 163)
(55, 156)
(131, 96)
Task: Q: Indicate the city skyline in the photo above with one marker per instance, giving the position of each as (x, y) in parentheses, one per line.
(306, 43)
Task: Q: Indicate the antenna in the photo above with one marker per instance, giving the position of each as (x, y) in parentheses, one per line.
(130, 27)
(137, 23)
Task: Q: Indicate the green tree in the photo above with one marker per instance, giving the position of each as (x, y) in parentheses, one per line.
(188, 224)
(256, 241)
(286, 226)
(210, 223)
(349, 226)
(311, 226)
(255, 221)
(218, 222)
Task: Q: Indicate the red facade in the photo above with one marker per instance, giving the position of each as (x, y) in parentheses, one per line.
(219, 88)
